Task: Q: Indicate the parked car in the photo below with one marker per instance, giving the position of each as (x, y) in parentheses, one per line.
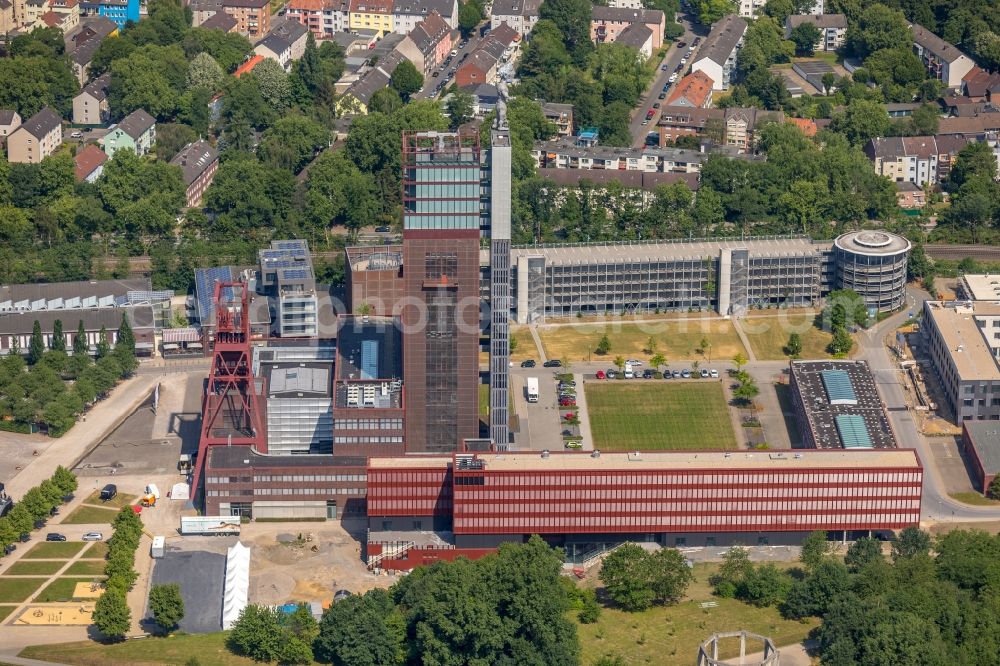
(567, 382)
(25, 537)
(673, 77)
(77, 134)
(39, 524)
(704, 374)
(634, 361)
(553, 363)
(675, 374)
(567, 402)
(686, 374)
(611, 374)
(697, 41)
(55, 536)
(384, 229)
(713, 373)
(340, 595)
(649, 114)
(647, 374)
(663, 95)
(600, 375)
(453, 53)
(109, 492)
(681, 45)
(93, 536)
(656, 105)
(664, 67)
(530, 363)
(435, 74)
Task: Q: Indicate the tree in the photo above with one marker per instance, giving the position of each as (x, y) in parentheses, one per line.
(841, 343)
(794, 345)
(993, 491)
(274, 85)
(572, 19)
(292, 142)
(710, 11)
(669, 575)
(805, 35)
(735, 564)
(470, 13)
(103, 346)
(619, 361)
(625, 576)
(863, 552)
(363, 630)
(877, 28)
(459, 108)
(705, 345)
(814, 594)
(657, 360)
(385, 100)
(58, 341)
(167, 605)
(862, 121)
(604, 345)
(590, 610)
(36, 346)
(204, 72)
(815, 549)
(828, 79)
(257, 634)
(975, 161)
(111, 615)
(765, 585)
(739, 360)
(910, 542)
(171, 138)
(844, 308)
(651, 345)
(406, 80)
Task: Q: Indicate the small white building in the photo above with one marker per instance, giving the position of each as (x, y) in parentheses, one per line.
(717, 55)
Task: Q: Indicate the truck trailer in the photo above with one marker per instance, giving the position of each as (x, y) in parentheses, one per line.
(221, 525)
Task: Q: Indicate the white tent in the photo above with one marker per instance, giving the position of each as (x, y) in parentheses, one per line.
(237, 586)
(180, 491)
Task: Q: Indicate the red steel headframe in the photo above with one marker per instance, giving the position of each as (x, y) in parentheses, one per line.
(232, 410)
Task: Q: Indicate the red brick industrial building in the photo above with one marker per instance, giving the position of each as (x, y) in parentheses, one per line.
(707, 498)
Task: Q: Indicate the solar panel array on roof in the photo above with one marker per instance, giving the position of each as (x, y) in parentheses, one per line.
(204, 284)
(295, 274)
(839, 389)
(853, 432)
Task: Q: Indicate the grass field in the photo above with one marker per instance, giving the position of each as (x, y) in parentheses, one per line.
(14, 590)
(658, 415)
(4, 612)
(61, 589)
(86, 568)
(208, 649)
(525, 344)
(119, 500)
(677, 340)
(90, 515)
(54, 550)
(768, 335)
(98, 551)
(974, 498)
(670, 636)
(29, 568)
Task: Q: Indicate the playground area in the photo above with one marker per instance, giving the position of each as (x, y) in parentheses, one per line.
(74, 613)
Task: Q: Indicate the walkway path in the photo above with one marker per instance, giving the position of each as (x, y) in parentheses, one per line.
(538, 342)
(93, 427)
(581, 409)
(744, 339)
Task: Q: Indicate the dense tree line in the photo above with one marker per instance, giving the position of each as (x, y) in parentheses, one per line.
(51, 388)
(506, 608)
(111, 612)
(36, 504)
(932, 602)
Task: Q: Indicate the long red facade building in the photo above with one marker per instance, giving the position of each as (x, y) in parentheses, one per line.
(674, 498)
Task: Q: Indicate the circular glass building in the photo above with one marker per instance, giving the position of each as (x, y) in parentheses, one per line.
(873, 263)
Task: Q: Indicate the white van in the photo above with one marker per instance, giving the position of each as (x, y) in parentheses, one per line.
(629, 374)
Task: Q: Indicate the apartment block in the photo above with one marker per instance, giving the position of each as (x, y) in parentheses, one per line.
(35, 139)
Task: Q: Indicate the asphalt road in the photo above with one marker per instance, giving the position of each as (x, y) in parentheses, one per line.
(431, 82)
(650, 97)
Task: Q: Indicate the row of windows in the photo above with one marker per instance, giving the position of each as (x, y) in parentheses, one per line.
(308, 491)
(702, 507)
(368, 440)
(701, 478)
(228, 479)
(368, 424)
(657, 523)
(307, 477)
(621, 493)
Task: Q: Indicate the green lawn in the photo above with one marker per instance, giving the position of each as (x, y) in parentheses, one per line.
(90, 515)
(525, 348)
(659, 415)
(97, 551)
(208, 649)
(4, 612)
(13, 590)
(38, 568)
(86, 568)
(974, 498)
(119, 500)
(768, 335)
(54, 550)
(61, 589)
(670, 636)
(677, 340)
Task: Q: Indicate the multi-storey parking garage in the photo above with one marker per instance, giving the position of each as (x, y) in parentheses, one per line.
(873, 263)
(726, 275)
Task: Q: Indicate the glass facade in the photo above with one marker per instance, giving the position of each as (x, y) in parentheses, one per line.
(441, 183)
